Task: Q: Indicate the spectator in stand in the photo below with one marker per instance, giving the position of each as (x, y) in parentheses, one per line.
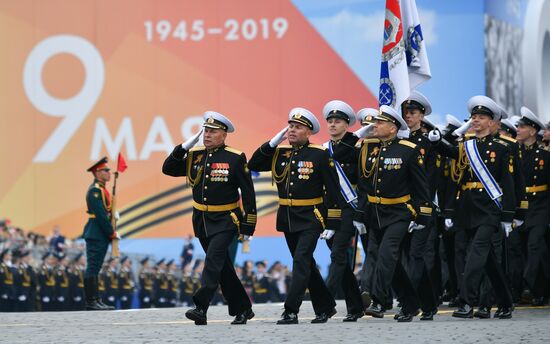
(57, 241)
(187, 252)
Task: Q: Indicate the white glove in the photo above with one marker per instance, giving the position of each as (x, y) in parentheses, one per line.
(46, 299)
(463, 129)
(22, 298)
(192, 140)
(360, 226)
(117, 215)
(277, 139)
(77, 299)
(434, 135)
(124, 298)
(327, 234)
(364, 131)
(413, 226)
(61, 299)
(449, 224)
(516, 223)
(245, 237)
(146, 299)
(4, 296)
(507, 227)
(111, 298)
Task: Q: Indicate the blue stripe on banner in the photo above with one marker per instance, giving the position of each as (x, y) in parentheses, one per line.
(384, 71)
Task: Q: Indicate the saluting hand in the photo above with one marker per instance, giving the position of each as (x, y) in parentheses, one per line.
(434, 135)
(192, 140)
(277, 139)
(364, 131)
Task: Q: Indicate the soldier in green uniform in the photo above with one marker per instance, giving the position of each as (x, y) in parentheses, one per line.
(98, 232)
(216, 174)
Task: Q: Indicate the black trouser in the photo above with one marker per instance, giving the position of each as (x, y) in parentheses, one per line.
(145, 299)
(516, 262)
(448, 240)
(537, 269)
(126, 300)
(461, 249)
(481, 259)
(389, 271)
(340, 274)
(486, 294)
(305, 274)
(418, 270)
(95, 255)
(219, 270)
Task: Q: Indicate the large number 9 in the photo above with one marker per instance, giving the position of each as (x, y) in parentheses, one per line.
(75, 109)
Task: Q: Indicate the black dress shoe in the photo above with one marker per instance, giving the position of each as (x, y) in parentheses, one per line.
(93, 305)
(242, 318)
(538, 301)
(428, 315)
(483, 313)
(398, 314)
(365, 297)
(405, 317)
(465, 311)
(352, 317)
(505, 313)
(375, 310)
(104, 306)
(323, 317)
(288, 318)
(497, 312)
(198, 315)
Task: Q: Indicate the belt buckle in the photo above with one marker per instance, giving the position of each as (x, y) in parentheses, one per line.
(378, 200)
(290, 202)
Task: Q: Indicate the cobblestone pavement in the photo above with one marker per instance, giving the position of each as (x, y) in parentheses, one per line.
(528, 325)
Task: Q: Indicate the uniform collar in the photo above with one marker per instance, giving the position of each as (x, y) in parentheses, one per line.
(297, 148)
(486, 138)
(388, 142)
(416, 132)
(101, 184)
(213, 150)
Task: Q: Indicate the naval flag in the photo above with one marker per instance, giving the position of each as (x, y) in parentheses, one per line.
(394, 78)
(417, 58)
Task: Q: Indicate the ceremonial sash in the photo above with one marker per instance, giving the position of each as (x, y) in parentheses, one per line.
(482, 172)
(346, 189)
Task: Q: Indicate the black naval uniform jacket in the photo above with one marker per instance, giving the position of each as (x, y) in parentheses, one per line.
(349, 168)
(536, 171)
(25, 284)
(302, 174)
(396, 184)
(429, 155)
(473, 206)
(216, 176)
(392, 184)
(517, 175)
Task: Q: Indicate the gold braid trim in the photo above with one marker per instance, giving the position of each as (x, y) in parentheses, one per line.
(278, 178)
(459, 165)
(190, 180)
(363, 161)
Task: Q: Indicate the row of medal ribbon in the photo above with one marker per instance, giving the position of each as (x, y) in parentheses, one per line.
(305, 168)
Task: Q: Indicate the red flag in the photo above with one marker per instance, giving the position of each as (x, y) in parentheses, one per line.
(121, 165)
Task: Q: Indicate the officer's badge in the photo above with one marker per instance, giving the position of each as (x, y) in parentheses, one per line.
(422, 151)
(510, 164)
(492, 155)
(198, 159)
(541, 162)
(287, 154)
(96, 195)
(375, 151)
(420, 160)
(246, 168)
(210, 120)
